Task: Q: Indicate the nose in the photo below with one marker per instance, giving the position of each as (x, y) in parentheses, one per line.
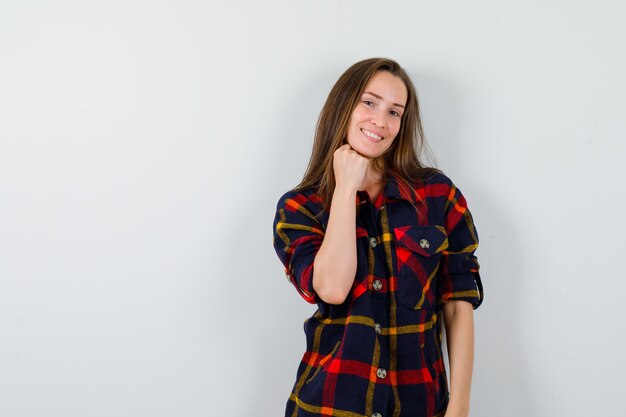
(378, 119)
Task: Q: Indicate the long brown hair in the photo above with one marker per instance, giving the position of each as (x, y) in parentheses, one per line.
(403, 156)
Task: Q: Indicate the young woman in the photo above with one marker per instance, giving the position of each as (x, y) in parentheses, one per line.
(385, 247)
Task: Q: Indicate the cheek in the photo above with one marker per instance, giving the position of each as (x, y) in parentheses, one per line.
(352, 123)
(357, 117)
(396, 128)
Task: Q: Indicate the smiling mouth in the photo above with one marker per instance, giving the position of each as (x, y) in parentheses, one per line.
(371, 135)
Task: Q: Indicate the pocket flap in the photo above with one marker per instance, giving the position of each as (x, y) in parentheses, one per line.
(425, 240)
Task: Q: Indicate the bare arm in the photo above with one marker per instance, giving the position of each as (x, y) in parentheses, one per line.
(335, 263)
(459, 322)
(334, 268)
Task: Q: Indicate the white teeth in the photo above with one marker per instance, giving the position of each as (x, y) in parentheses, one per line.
(371, 135)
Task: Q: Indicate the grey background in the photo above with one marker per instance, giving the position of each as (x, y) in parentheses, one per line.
(144, 144)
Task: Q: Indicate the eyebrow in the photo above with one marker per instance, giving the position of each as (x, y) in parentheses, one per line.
(380, 98)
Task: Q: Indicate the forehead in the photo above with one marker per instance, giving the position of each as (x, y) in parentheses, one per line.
(388, 86)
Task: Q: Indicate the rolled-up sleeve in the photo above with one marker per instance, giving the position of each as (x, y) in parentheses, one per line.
(298, 236)
(458, 276)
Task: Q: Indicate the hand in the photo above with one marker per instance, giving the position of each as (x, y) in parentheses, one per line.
(349, 167)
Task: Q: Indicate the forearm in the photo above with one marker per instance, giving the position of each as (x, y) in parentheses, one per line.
(459, 322)
(335, 263)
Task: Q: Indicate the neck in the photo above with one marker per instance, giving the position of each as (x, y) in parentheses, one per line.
(372, 177)
(372, 182)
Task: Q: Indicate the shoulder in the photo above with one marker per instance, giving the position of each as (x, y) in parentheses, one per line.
(301, 202)
(438, 183)
(438, 178)
(440, 191)
(294, 197)
(435, 185)
(422, 178)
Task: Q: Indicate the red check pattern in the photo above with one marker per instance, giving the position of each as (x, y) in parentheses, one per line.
(379, 353)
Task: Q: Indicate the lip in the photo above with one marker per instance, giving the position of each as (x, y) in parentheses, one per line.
(363, 130)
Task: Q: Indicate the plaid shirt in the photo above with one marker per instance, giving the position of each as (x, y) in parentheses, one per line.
(379, 353)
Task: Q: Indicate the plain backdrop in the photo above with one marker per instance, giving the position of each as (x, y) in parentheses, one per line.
(144, 145)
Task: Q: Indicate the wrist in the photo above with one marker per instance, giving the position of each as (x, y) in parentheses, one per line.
(344, 190)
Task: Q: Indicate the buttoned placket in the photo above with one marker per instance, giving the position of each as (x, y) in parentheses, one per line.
(370, 218)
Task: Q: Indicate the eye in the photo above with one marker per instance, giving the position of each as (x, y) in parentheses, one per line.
(368, 103)
(394, 113)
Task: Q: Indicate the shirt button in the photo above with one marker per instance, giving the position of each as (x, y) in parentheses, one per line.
(381, 373)
(377, 415)
(377, 285)
(378, 328)
(425, 244)
(373, 242)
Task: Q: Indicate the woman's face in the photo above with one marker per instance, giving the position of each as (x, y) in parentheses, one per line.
(375, 120)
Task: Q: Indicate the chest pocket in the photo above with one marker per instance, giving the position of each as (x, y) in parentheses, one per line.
(418, 252)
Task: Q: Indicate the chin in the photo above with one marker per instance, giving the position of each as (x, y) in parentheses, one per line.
(367, 153)
(364, 153)
(362, 150)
